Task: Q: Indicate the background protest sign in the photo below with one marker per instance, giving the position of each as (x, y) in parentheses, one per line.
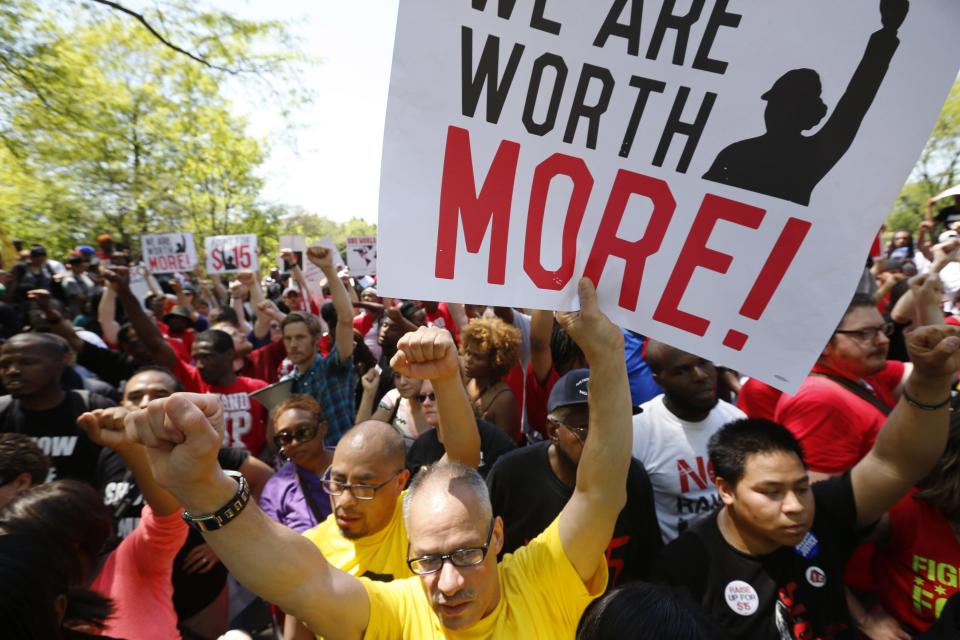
(720, 172)
(362, 255)
(231, 253)
(169, 252)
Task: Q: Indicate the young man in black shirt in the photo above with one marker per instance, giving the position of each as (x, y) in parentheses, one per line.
(769, 564)
(31, 365)
(530, 486)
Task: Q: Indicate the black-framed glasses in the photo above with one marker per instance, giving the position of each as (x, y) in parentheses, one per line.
(359, 491)
(423, 397)
(468, 557)
(868, 333)
(301, 434)
(580, 431)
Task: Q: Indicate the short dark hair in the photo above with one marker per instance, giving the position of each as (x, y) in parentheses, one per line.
(313, 325)
(648, 611)
(177, 385)
(20, 454)
(562, 347)
(730, 446)
(224, 314)
(221, 340)
(55, 347)
(858, 301)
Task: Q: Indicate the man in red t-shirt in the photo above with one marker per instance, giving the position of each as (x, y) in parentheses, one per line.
(842, 404)
(244, 418)
(213, 351)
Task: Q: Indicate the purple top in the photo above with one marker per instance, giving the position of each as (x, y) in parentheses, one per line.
(283, 500)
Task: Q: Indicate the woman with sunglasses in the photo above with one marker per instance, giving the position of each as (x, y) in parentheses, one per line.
(294, 496)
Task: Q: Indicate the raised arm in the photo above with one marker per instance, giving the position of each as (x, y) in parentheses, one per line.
(107, 315)
(146, 330)
(587, 520)
(323, 258)
(238, 291)
(371, 384)
(105, 428)
(541, 358)
(429, 353)
(182, 434)
(915, 433)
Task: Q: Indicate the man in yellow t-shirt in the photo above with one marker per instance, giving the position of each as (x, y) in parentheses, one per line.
(460, 591)
(365, 536)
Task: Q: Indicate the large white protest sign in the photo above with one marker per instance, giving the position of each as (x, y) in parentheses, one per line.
(719, 172)
(231, 253)
(169, 252)
(362, 255)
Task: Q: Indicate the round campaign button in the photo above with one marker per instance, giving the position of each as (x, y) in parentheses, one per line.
(742, 598)
(816, 577)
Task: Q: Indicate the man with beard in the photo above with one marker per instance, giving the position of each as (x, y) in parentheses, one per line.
(670, 436)
(330, 379)
(365, 535)
(839, 409)
(530, 486)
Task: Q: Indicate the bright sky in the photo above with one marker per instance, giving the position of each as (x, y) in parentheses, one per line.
(334, 169)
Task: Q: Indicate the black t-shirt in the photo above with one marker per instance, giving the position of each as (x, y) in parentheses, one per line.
(72, 454)
(120, 492)
(791, 593)
(110, 366)
(527, 494)
(427, 449)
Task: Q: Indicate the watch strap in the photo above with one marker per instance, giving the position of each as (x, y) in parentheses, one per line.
(226, 513)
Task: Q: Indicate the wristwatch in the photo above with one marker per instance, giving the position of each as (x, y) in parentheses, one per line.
(226, 513)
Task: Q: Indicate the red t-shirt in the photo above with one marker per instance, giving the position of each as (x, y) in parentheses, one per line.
(836, 427)
(536, 399)
(443, 319)
(758, 399)
(917, 571)
(363, 322)
(264, 362)
(244, 419)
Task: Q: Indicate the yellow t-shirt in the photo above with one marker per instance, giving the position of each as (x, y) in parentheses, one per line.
(381, 556)
(541, 596)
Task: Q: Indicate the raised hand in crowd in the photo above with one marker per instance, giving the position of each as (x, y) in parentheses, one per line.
(106, 428)
(922, 304)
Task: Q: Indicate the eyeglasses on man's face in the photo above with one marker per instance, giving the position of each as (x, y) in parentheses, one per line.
(580, 431)
(359, 491)
(423, 397)
(867, 334)
(299, 435)
(466, 557)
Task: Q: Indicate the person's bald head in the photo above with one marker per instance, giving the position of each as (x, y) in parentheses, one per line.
(448, 509)
(689, 382)
(377, 441)
(371, 453)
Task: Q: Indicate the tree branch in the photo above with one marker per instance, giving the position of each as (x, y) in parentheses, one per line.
(156, 34)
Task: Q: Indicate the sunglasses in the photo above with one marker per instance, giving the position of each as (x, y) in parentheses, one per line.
(423, 397)
(298, 435)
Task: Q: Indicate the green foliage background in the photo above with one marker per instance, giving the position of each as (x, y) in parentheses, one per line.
(104, 128)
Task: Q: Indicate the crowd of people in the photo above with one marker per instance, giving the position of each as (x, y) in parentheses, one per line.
(203, 456)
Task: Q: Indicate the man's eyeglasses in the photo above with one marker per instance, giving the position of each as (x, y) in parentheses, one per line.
(868, 333)
(300, 434)
(468, 557)
(423, 397)
(579, 431)
(359, 491)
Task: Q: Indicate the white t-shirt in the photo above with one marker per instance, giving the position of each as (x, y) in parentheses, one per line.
(674, 453)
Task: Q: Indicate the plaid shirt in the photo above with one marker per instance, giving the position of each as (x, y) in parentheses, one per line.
(331, 383)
